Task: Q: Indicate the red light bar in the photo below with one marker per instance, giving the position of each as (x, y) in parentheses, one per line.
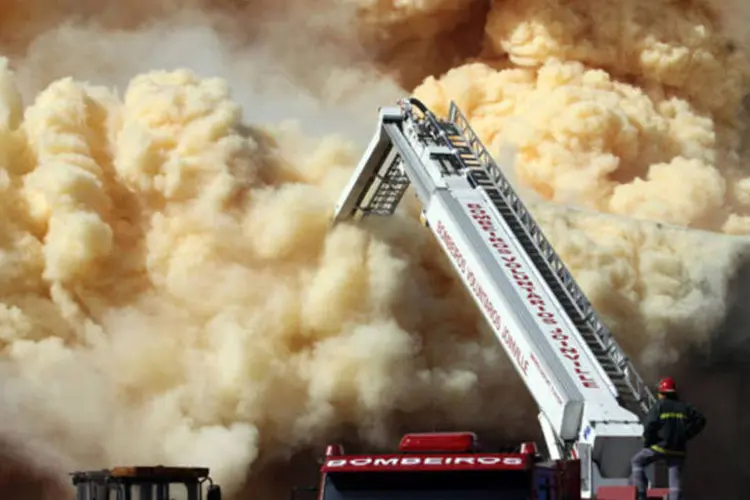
(448, 442)
(528, 448)
(426, 463)
(334, 450)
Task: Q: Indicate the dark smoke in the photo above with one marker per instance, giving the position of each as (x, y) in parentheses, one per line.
(714, 379)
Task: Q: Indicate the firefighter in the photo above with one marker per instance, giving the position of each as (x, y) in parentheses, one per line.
(669, 425)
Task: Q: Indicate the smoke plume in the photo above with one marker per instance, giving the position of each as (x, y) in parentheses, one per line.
(171, 289)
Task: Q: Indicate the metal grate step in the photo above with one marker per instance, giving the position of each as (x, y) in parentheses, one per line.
(384, 190)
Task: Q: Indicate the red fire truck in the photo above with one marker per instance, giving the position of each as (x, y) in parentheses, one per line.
(589, 394)
(436, 466)
(452, 466)
(591, 399)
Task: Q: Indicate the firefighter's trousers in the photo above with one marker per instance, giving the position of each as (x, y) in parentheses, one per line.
(646, 457)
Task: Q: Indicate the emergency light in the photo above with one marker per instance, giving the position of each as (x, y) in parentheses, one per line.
(439, 442)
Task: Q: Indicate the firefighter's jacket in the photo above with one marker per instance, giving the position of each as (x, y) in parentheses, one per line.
(670, 424)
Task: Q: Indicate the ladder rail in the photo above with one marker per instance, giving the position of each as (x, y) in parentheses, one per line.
(602, 335)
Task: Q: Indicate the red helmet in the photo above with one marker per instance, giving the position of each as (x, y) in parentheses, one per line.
(667, 385)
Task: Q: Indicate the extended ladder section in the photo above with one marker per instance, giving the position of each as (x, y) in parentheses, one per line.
(589, 393)
(634, 394)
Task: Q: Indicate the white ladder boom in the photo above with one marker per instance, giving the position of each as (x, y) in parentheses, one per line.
(382, 177)
(633, 392)
(589, 395)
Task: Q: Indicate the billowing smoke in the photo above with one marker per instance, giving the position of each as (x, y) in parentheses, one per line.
(172, 291)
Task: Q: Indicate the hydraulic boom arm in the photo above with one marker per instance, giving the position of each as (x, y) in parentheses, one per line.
(588, 392)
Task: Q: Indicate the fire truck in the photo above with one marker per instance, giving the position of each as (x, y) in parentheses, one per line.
(591, 399)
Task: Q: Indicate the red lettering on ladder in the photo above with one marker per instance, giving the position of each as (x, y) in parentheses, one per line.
(484, 300)
(523, 280)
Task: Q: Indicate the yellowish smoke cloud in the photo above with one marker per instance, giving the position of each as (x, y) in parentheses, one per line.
(172, 291)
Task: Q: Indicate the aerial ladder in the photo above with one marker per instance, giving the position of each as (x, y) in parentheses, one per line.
(590, 397)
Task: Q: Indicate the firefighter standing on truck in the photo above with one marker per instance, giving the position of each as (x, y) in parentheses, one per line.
(669, 425)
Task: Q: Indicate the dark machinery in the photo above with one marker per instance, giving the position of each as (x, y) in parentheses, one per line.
(145, 483)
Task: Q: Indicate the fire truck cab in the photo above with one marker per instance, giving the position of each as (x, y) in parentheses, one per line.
(448, 465)
(145, 483)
